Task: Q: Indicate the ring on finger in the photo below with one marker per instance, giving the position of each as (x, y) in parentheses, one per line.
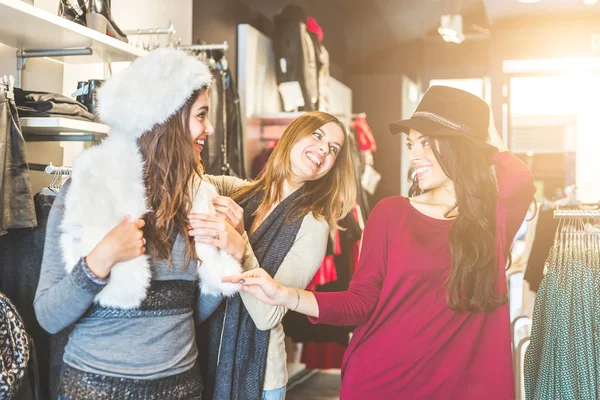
(215, 234)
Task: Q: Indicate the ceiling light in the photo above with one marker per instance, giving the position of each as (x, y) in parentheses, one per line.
(451, 28)
(590, 2)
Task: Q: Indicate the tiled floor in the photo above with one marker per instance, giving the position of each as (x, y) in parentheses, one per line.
(316, 385)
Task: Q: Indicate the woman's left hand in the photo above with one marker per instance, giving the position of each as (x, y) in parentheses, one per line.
(216, 231)
(230, 211)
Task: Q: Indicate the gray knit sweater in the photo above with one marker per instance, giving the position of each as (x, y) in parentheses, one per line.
(149, 342)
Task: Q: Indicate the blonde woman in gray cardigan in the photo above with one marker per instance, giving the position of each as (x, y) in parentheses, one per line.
(306, 186)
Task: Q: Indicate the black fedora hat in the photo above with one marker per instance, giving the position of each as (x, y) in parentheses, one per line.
(446, 111)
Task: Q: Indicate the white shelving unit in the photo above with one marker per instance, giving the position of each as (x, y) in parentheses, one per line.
(26, 27)
(43, 125)
(61, 129)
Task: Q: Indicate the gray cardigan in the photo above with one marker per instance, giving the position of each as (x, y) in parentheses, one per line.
(137, 344)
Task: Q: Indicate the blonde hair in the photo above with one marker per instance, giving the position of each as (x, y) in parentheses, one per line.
(331, 197)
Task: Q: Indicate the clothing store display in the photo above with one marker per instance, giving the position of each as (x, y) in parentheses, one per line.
(296, 270)
(98, 17)
(295, 57)
(326, 340)
(414, 345)
(43, 104)
(223, 153)
(364, 134)
(86, 93)
(561, 361)
(71, 12)
(237, 349)
(20, 262)
(358, 166)
(542, 243)
(16, 198)
(15, 344)
(465, 115)
(322, 57)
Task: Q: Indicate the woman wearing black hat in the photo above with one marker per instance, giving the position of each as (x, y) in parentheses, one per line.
(429, 293)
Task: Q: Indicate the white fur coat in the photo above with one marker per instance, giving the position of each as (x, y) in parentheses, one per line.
(107, 185)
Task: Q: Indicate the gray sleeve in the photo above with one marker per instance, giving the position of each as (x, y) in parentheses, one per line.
(61, 298)
(225, 185)
(207, 304)
(296, 270)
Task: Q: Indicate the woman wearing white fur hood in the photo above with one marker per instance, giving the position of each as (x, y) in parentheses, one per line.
(118, 264)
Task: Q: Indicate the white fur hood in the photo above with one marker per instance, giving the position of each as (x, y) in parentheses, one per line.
(107, 182)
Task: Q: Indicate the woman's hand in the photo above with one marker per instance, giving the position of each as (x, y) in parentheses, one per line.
(259, 283)
(229, 210)
(122, 243)
(216, 231)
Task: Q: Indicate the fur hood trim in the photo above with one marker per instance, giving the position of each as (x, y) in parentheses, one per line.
(149, 91)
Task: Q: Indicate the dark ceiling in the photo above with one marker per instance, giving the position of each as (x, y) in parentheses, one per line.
(361, 31)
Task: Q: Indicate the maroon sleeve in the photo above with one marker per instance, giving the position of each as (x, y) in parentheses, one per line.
(355, 306)
(515, 193)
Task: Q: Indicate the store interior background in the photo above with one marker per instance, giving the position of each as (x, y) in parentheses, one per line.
(388, 52)
(538, 64)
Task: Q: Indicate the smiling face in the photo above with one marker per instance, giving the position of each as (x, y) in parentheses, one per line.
(427, 168)
(313, 156)
(200, 126)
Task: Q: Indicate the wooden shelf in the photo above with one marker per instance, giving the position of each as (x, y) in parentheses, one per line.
(26, 27)
(54, 126)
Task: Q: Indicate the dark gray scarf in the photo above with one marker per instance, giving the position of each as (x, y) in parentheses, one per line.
(238, 372)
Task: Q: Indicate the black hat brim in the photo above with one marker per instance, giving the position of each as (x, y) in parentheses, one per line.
(433, 129)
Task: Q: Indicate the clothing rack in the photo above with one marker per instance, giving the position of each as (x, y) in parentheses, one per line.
(152, 31)
(576, 213)
(7, 84)
(51, 169)
(205, 47)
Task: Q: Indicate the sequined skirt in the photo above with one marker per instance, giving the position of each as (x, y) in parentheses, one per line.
(80, 385)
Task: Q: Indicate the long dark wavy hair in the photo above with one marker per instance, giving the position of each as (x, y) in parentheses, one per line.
(471, 285)
(171, 168)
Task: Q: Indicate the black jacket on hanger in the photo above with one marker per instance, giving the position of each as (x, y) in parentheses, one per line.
(292, 43)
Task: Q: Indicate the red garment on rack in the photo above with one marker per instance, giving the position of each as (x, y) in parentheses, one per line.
(314, 27)
(325, 274)
(364, 135)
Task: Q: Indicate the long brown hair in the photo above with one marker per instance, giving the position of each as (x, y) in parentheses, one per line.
(471, 285)
(331, 197)
(171, 168)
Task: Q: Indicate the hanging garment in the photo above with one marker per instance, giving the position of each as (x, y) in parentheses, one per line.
(364, 135)
(234, 139)
(542, 243)
(212, 154)
(562, 359)
(21, 253)
(43, 104)
(295, 56)
(15, 345)
(358, 166)
(223, 153)
(237, 350)
(322, 57)
(16, 198)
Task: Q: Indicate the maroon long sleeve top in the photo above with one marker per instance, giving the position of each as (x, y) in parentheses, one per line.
(409, 344)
